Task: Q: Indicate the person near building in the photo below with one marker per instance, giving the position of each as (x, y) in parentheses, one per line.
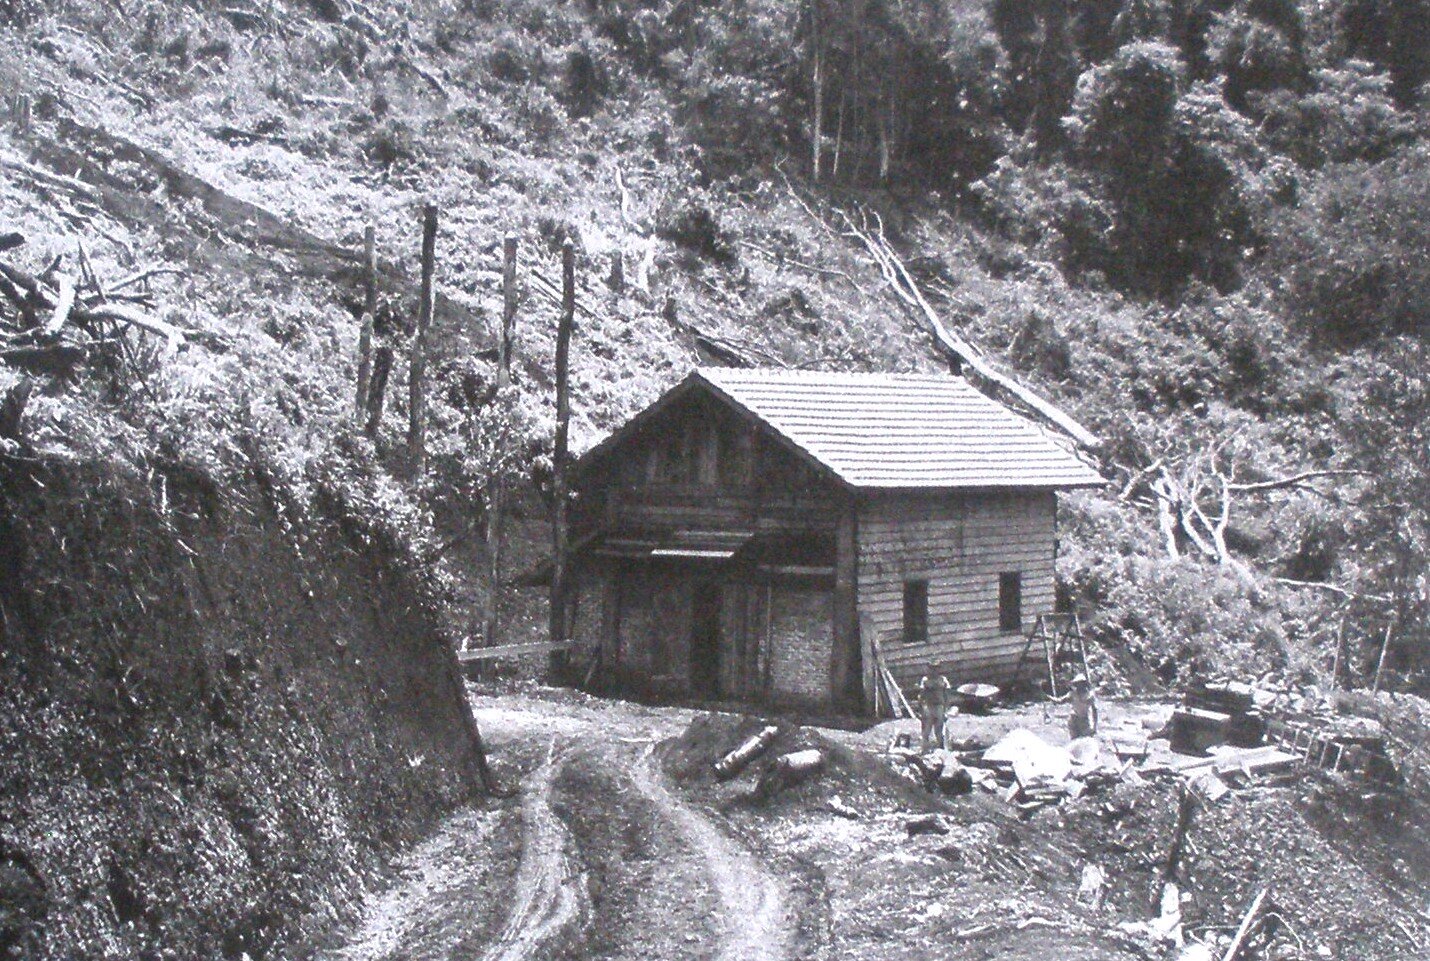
(933, 707)
(1082, 720)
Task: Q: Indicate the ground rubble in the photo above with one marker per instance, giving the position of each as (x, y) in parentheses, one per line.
(1119, 841)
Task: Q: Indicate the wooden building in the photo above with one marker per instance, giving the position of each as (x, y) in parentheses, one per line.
(750, 533)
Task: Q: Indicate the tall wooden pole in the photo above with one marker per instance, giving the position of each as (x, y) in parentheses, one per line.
(369, 313)
(559, 449)
(417, 376)
(498, 486)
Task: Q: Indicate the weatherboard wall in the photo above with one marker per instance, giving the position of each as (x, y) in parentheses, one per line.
(960, 543)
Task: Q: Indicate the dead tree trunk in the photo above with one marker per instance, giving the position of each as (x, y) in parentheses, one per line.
(816, 134)
(377, 390)
(364, 370)
(559, 451)
(416, 382)
(497, 482)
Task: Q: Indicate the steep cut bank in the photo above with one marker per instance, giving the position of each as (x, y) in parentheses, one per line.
(223, 707)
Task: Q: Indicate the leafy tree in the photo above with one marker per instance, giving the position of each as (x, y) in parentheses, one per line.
(1042, 66)
(1348, 116)
(1392, 35)
(1354, 253)
(1258, 53)
(1171, 167)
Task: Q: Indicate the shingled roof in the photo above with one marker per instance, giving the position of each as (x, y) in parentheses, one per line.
(891, 431)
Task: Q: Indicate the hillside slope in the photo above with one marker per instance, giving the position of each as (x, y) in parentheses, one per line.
(1199, 227)
(222, 713)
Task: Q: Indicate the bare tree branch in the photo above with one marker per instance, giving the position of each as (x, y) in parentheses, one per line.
(1295, 480)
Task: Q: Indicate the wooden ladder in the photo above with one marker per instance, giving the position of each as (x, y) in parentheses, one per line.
(1060, 636)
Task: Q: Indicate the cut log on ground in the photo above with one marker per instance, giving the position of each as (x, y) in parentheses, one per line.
(789, 770)
(739, 759)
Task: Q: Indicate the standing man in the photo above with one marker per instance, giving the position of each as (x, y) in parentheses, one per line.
(1082, 721)
(933, 706)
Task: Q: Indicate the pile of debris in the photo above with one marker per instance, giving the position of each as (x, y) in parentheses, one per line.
(1278, 722)
(1224, 735)
(1023, 768)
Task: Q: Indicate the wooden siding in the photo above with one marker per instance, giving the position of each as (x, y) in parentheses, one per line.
(698, 465)
(960, 543)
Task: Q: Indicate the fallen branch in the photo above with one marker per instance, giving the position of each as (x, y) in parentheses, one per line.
(137, 318)
(1296, 480)
(1244, 930)
(65, 298)
(143, 275)
(1334, 589)
(64, 303)
(908, 291)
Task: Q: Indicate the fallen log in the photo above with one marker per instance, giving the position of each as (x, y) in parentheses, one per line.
(789, 770)
(902, 282)
(739, 759)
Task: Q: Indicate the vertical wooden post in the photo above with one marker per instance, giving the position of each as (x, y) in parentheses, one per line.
(1340, 646)
(369, 314)
(845, 675)
(559, 449)
(498, 486)
(417, 376)
(508, 316)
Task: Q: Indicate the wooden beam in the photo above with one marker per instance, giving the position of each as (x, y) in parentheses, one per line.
(501, 651)
(1243, 930)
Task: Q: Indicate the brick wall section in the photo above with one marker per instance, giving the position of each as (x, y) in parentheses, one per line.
(801, 635)
(960, 543)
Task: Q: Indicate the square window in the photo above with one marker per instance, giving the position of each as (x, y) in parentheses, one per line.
(1010, 602)
(916, 612)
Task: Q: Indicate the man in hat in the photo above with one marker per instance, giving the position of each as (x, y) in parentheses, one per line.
(1082, 721)
(933, 706)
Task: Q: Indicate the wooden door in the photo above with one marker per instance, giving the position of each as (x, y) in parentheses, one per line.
(705, 638)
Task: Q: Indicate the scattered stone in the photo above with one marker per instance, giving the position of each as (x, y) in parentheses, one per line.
(926, 824)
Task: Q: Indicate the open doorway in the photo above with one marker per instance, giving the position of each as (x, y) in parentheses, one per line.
(705, 639)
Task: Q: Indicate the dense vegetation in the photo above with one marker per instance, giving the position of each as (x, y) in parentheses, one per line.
(1200, 225)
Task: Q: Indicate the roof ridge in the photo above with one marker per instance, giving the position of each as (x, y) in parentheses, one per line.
(775, 373)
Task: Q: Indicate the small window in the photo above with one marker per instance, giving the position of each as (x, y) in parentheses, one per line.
(916, 612)
(1010, 602)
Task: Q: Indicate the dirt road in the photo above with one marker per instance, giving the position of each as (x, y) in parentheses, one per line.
(610, 861)
(753, 921)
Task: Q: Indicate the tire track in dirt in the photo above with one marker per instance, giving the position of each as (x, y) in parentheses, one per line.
(754, 919)
(551, 894)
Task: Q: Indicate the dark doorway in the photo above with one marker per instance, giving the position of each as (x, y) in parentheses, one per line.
(705, 639)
